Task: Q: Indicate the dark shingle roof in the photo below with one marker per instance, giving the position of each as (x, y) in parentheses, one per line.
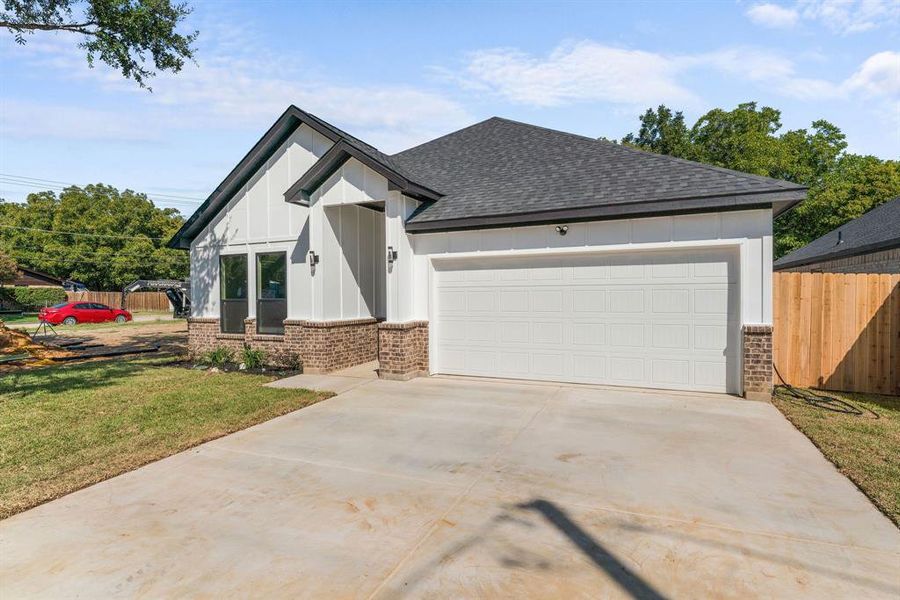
(503, 168)
(878, 229)
(501, 172)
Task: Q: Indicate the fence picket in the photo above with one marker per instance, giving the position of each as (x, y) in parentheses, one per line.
(838, 331)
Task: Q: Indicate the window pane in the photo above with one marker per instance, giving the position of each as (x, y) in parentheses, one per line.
(271, 275)
(271, 292)
(233, 281)
(234, 277)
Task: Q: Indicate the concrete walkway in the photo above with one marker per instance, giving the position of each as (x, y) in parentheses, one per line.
(464, 488)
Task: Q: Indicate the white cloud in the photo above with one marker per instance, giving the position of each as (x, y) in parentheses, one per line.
(588, 71)
(234, 86)
(840, 16)
(852, 16)
(581, 71)
(878, 75)
(773, 15)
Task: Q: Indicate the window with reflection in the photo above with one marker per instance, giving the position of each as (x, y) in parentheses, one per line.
(233, 297)
(271, 292)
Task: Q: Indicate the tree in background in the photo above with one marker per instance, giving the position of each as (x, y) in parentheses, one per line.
(124, 34)
(96, 235)
(8, 268)
(842, 186)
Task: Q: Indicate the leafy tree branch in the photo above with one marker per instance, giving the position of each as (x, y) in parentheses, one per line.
(125, 34)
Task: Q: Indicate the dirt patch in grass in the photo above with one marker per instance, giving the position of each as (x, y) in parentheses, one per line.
(65, 427)
(169, 334)
(864, 448)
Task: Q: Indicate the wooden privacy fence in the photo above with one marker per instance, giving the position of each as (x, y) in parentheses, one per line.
(137, 301)
(838, 331)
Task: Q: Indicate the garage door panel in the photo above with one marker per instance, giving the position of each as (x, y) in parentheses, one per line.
(590, 300)
(514, 301)
(515, 332)
(481, 331)
(677, 271)
(452, 301)
(626, 335)
(670, 335)
(514, 363)
(547, 301)
(711, 302)
(626, 301)
(589, 367)
(670, 300)
(547, 364)
(547, 333)
(588, 333)
(651, 319)
(670, 371)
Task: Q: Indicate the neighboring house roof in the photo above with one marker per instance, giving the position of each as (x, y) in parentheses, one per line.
(501, 172)
(30, 277)
(878, 229)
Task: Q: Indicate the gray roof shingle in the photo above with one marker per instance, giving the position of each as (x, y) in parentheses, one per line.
(878, 229)
(500, 167)
(501, 172)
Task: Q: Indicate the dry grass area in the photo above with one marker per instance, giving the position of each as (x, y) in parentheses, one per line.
(864, 448)
(170, 334)
(65, 427)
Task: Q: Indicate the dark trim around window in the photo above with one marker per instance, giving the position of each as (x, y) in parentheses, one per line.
(233, 281)
(271, 294)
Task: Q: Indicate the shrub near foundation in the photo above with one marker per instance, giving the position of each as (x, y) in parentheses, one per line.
(252, 359)
(217, 357)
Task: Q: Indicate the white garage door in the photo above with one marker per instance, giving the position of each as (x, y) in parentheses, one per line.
(650, 319)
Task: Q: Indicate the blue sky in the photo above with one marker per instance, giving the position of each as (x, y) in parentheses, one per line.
(397, 74)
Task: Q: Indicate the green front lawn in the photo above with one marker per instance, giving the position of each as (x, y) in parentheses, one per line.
(864, 448)
(63, 428)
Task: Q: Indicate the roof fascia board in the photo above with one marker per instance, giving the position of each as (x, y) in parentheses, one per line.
(316, 175)
(301, 191)
(607, 212)
(276, 135)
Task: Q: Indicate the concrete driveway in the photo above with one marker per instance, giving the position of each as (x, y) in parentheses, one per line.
(463, 488)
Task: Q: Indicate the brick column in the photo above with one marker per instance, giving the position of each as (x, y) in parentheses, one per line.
(402, 350)
(201, 335)
(757, 362)
(333, 345)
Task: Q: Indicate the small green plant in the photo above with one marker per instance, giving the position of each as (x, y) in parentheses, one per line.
(252, 359)
(217, 357)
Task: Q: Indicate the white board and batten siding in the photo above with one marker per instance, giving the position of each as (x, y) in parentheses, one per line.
(653, 302)
(257, 219)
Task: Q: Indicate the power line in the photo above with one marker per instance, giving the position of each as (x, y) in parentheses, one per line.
(75, 233)
(103, 235)
(66, 183)
(61, 188)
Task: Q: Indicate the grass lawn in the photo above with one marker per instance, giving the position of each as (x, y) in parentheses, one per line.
(63, 428)
(865, 449)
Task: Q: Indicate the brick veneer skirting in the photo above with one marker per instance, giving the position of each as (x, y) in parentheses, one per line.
(402, 350)
(319, 347)
(757, 362)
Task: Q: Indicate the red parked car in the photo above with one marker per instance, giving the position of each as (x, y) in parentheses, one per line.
(72, 313)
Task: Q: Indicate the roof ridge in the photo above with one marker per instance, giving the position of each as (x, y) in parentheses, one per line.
(440, 137)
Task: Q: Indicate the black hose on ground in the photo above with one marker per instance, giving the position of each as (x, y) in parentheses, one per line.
(825, 402)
